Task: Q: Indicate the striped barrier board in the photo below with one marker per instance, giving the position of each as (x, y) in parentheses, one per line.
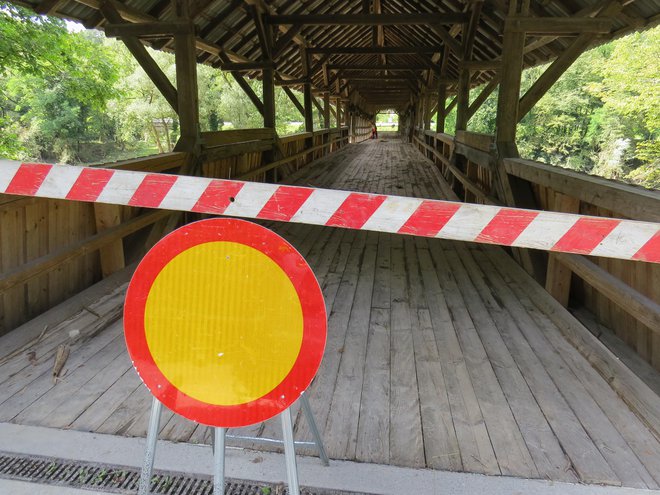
(550, 231)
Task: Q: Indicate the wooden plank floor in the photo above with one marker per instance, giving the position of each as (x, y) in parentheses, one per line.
(438, 356)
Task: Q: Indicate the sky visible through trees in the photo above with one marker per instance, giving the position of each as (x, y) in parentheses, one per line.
(78, 97)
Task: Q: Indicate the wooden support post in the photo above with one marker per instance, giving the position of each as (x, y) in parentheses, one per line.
(326, 110)
(483, 96)
(185, 53)
(307, 90)
(307, 99)
(558, 278)
(143, 58)
(268, 85)
(339, 113)
(514, 191)
(462, 99)
(111, 254)
(294, 100)
(463, 103)
(442, 92)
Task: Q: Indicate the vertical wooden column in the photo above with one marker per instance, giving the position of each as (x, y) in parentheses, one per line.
(558, 278)
(462, 99)
(326, 110)
(112, 254)
(514, 191)
(442, 107)
(340, 116)
(185, 54)
(268, 85)
(307, 90)
(307, 99)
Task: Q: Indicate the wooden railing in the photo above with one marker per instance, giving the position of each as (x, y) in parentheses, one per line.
(53, 249)
(622, 295)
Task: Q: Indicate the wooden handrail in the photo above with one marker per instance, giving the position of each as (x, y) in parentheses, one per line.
(279, 163)
(44, 264)
(464, 179)
(631, 201)
(153, 163)
(632, 302)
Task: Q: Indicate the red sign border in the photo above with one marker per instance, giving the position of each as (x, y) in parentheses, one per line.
(306, 286)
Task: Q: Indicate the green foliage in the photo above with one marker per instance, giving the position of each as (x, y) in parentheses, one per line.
(54, 86)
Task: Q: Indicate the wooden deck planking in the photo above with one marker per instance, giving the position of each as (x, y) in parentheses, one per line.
(436, 357)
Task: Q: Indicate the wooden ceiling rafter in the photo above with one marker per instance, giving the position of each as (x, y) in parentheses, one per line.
(375, 35)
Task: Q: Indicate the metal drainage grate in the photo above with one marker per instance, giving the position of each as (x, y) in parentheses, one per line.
(125, 480)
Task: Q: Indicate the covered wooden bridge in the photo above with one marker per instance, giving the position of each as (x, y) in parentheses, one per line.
(441, 354)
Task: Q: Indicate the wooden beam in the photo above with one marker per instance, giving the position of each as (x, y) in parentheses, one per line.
(326, 110)
(111, 255)
(552, 74)
(307, 92)
(148, 29)
(247, 66)
(389, 77)
(507, 106)
(480, 65)
(318, 106)
(389, 67)
(447, 38)
(131, 14)
(268, 88)
(185, 55)
(558, 25)
(326, 76)
(470, 31)
(637, 305)
(143, 58)
(294, 100)
(290, 82)
(463, 88)
(560, 65)
(245, 86)
(623, 199)
(366, 19)
(388, 50)
(483, 96)
(558, 276)
(264, 34)
(285, 40)
(462, 100)
(47, 7)
(44, 264)
(513, 191)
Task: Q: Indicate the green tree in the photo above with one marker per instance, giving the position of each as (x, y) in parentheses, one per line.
(54, 98)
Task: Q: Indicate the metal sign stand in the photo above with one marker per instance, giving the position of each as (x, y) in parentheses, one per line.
(219, 441)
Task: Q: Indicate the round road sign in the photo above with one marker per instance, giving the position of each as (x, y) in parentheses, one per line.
(225, 322)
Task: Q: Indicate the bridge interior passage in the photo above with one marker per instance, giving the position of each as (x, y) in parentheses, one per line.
(459, 358)
(440, 354)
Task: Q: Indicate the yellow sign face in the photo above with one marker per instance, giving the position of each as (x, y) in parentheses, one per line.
(220, 310)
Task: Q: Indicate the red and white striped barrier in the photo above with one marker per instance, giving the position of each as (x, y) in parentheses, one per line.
(550, 231)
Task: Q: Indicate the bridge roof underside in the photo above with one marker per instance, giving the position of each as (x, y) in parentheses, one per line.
(385, 52)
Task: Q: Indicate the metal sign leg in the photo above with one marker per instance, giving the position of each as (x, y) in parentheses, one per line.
(219, 460)
(290, 453)
(152, 437)
(314, 429)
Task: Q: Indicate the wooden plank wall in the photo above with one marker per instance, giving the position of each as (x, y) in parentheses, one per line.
(31, 228)
(466, 161)
(52, 249)
(642, 277)
(34, 230)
